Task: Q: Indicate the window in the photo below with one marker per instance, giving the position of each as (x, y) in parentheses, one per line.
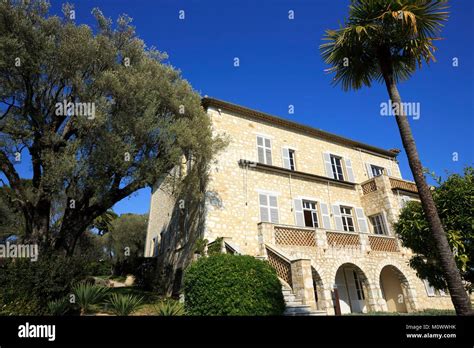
(310, 214)
(288, 156)
(291, 154)
(264, 149)
(347, 219)
(268, 208)
(336, 165)
(432, 291)
(376, 170)
(358, 285)
(378, 223)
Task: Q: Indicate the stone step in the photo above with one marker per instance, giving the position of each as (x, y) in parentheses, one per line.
(289, 298)
(293, 303)
(299, 308)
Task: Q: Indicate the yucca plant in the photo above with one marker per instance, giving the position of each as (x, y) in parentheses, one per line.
(169, 308)
(59, 306)
(87, 295)
(124, 305)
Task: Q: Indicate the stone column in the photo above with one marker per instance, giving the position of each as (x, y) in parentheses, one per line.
(302, 279)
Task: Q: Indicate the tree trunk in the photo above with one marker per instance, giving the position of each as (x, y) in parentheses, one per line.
(459, 297)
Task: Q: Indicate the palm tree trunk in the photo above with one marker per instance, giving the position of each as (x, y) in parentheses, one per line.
(459, 297)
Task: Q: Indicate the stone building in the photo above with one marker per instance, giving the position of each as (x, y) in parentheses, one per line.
(319, 207)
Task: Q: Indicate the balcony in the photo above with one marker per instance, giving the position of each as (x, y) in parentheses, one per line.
(304, 238)
(374, 184)
(403, 185)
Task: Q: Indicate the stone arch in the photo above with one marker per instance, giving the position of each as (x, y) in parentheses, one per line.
(396, 290)
(320, 289)
(354, 290)
(408, 280)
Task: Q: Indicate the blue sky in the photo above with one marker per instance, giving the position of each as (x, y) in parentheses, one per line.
(280, 64)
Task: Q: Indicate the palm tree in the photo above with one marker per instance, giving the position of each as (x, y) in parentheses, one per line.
(387, 40)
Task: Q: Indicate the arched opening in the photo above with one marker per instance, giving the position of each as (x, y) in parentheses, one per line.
(351, 286)
(318, 290)
(394, 286)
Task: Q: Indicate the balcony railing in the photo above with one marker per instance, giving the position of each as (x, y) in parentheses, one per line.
(383, 243)
(280, 264)
(344, 239)
(369, 186)
(296, 236)
(288, 235)
(403, 185)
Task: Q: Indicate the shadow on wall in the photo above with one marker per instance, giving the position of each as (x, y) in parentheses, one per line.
(178, 240)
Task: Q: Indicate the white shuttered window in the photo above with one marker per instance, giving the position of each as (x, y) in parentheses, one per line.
(264, 150)
(268, 208)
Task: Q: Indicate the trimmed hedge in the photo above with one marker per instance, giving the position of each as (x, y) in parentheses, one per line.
(226, 284)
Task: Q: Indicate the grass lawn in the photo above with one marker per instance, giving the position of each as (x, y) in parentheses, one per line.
(429, 312)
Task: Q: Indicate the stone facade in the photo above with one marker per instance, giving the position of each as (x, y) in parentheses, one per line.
(314, 255)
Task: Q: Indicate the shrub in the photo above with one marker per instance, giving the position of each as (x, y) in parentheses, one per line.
(225, 284)
(170, 307)
(27, 287)
(87, 295)
(59, 306)
(124, 304)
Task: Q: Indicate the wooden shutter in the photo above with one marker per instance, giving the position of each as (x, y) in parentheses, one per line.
(336, 212)
(325, 215)
(273, 209)
(369, 170)
(285, 154)
(298, 207)
(260, 150)
(268, 151)
(264, 217)
(350, 172)
(385, 221)
(361, 220)
(327, 165)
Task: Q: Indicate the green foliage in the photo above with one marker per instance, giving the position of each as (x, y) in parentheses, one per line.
(59, 306)
(125, 242)
(26, 287)
(454, 200)
(398, 32)
(200, 246)
(225, 284)
(169, 307)
(124, 305)
(87, 295)
(146, 117)
(216, 246)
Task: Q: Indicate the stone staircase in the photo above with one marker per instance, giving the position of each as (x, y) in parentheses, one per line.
(294, 306)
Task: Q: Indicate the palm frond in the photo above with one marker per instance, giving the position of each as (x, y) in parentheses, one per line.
(405, 28)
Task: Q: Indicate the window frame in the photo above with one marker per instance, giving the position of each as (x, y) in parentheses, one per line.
(337, 175)
(380, 224)
(345, 218)
(377, 169)
(314, 212)
(292, 159)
